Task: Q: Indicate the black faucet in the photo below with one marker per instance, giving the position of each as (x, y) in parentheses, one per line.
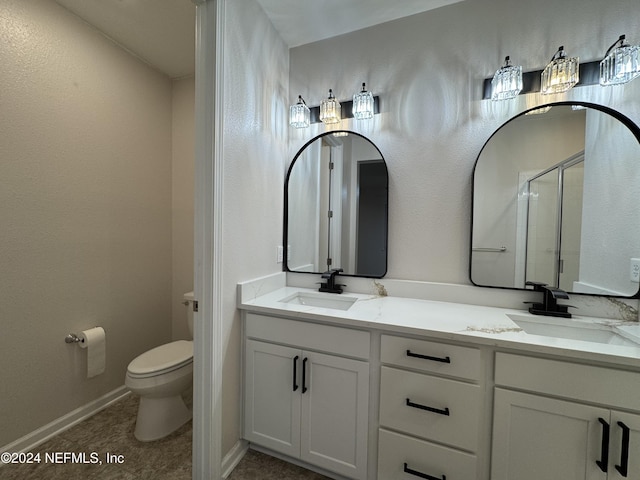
(330, 286)
(549, 305)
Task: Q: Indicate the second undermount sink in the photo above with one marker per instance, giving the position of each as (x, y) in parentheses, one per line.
(323, 300)
(573, 329)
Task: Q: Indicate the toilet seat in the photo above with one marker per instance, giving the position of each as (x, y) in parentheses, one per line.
(160, 360)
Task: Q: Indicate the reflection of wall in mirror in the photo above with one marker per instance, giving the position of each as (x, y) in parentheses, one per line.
(528, 143)
(304, 209)
(612, 189)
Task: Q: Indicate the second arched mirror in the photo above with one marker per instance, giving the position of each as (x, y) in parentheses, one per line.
(555, 194)
(335, 207)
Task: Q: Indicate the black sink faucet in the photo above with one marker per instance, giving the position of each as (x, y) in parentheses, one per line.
(549, 305)
(330, 286)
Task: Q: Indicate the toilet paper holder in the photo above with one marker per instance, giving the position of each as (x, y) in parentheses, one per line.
(72, 338)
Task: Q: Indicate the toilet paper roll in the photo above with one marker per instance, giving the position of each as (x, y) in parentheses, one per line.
(94, 341)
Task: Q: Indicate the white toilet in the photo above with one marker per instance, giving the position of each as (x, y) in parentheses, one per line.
(159, 377)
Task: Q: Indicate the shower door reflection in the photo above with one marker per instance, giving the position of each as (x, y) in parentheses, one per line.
(542, 228)
(554, 222)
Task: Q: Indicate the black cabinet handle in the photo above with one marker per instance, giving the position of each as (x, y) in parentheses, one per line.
(427, 357)
(295, 373)
(624, 455)
(422, 475)
(304, 375)
(604, 452)
(428, 409)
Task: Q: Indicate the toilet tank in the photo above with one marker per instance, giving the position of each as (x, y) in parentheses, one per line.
(188, 300)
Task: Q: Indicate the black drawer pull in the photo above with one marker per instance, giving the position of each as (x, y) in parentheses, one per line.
(623, 468)
(603, 463)
(304, 375)
(295, 373)
(427, 357)
(422, 475)
(428, 409)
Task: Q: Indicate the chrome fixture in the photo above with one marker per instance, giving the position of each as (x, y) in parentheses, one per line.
(507, 81)
(330, 110)
(72, 338)
(299, 114)
(621, 63)
(363, 104)
(561, 74)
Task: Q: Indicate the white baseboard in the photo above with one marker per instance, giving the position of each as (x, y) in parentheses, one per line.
(234, 456)
(59, 425)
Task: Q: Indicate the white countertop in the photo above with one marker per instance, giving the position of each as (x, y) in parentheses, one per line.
(452, 321)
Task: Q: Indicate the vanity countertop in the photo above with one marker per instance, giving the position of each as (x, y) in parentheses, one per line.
(481, 325)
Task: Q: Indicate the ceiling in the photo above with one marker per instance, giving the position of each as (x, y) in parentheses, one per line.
(162, 32)
(159, 32)
(305, 21)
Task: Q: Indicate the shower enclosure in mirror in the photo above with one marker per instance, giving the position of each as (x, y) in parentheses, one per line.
(555, 201)
(335, 207)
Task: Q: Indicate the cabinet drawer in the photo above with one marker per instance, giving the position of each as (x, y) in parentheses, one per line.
(463, 362)
(434, 408)
(587, 383)
(306, 335)
(398, 453)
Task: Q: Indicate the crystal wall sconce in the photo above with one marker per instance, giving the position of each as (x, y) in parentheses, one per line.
(330, 110)
(363, 106)
(299, 114)
(507, 81)
(621, 64)
(561, 74)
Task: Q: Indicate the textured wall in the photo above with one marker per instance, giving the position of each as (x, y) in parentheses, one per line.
(428, 70)
(254, 148)
(182, 158)
(85, 209)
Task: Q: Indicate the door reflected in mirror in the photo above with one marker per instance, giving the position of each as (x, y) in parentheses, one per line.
(336, 196)
(555, 201)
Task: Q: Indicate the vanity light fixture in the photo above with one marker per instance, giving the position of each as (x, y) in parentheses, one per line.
(621, 64)
(507, 81)
(299, 114)
(561, 74)
(330, 110)
(363, 104)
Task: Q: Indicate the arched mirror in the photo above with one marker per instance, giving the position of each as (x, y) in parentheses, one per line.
(335, 207)
(555, 200)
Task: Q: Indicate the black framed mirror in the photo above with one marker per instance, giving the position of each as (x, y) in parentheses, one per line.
(336, 207)
(555, 200)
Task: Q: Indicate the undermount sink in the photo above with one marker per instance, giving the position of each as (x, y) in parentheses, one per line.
(328, 300)
(573, 329)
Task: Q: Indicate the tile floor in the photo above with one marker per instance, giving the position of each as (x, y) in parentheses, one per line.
(111, 431)
(258, 466)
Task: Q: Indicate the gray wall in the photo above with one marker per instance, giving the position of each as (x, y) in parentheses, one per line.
(85, 209)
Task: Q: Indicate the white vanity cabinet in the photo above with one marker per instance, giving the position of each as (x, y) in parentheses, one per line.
(556, 419)
(430, 407)
(307, 392)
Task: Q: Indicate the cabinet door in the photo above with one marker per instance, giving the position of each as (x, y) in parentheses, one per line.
(335, 411)
(272, 407)
(624, 462)
(537, 437)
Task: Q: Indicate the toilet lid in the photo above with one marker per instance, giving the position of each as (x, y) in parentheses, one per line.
(170, 356)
